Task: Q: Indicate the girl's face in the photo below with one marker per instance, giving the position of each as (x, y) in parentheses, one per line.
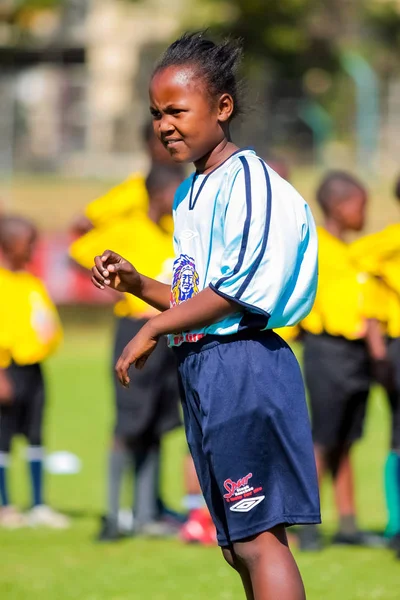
(186, 120)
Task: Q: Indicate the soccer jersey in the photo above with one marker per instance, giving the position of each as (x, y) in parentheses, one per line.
(345, 296)
(30, 328)
(137, 239)
(379, 255)
(246, 233)
(119, 202)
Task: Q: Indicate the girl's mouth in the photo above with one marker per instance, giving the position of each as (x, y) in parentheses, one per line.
(172, 143)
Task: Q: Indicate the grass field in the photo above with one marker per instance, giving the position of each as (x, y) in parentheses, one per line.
(44, 565)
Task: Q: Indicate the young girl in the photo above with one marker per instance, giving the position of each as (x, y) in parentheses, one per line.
(246, 262)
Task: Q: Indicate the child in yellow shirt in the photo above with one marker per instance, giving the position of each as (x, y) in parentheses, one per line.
(379, 255)
(149, 408)
(336, 354)
(30, 331)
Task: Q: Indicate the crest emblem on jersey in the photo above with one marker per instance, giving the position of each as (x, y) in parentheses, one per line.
(185, 280)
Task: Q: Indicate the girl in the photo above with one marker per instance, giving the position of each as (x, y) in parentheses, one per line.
(246, 262)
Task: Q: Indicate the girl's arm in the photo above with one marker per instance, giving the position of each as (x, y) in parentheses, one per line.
(201, 310)
(113, 271)
(205, 308)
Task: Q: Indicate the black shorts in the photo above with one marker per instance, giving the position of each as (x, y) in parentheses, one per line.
(394, 355)
(24, 416)
(150, 406)
(338, 377)
(248, 430)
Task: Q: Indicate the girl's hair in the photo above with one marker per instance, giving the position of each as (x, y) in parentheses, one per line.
(216, 63)
(336, 186)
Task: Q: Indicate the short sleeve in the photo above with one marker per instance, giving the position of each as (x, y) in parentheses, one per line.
(246, 226)
(372, 251)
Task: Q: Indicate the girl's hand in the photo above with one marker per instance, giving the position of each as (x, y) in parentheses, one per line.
(113, 271)
(7, 391)
(136, 352)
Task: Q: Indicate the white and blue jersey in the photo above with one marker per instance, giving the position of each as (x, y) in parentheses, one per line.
(246, 233)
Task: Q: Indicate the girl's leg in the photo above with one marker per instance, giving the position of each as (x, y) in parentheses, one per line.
(270, 564)
(240, 567)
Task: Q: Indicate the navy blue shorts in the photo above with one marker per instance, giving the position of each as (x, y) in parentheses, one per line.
(249, 433)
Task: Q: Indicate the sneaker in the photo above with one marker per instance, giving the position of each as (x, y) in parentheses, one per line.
(109, 531)
(11, 518)
(199, 529)
(45, 516)
(368, 539)
(309, 539)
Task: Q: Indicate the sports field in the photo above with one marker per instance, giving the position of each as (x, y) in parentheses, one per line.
(44, 565)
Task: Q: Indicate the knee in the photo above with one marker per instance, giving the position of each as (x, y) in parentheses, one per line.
(228, 556)
(246, 554)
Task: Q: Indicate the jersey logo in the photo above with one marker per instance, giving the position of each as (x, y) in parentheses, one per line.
(185, 280)
(235, 488)
(247, 504)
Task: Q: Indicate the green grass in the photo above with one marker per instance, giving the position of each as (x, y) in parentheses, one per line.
(44, 565)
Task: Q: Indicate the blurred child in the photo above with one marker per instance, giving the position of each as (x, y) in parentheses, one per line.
(30, 332)
(127, 197)
(150, 407)
(379, 255)
(336, 361)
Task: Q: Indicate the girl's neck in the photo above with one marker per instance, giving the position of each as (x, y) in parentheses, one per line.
(216, 157)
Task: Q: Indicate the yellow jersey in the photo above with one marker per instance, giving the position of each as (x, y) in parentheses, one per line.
(30, 327)
(345, 295)
(379, 255)
(139, 240)
(119, 202)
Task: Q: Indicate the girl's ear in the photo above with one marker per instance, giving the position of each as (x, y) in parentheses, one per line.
(225, 108)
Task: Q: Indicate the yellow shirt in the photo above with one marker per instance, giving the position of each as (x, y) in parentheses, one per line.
(344, 294)
(137, 239)
(119, 202)
(379, 255)
(30, 327)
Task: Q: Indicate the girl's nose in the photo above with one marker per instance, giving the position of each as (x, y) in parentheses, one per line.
(165, 124)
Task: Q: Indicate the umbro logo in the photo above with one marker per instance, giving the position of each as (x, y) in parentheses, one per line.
(188, 234)
(247, 504)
